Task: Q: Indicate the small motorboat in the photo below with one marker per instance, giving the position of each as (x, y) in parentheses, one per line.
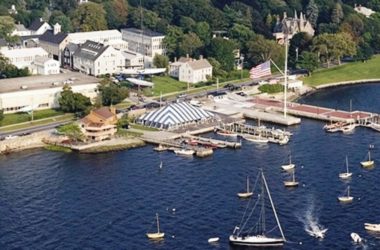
(356, 238)
(347, 129)
(372, 227)
(227, 133)
(182, 151)
(213, 240)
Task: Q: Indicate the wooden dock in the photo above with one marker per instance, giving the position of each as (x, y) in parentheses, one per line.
(273, 135)
(360, 118)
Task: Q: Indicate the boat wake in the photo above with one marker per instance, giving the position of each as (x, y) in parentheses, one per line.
(311, 223)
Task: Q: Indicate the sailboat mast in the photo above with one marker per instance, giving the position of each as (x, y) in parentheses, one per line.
(158, 224)
(347, 163)
(294, 179)
(286, 72)
(369, 155)
(273, 208)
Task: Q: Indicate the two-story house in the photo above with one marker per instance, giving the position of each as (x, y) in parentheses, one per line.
(39, 27)
(190, 70)
(96, 59)
(99, 125)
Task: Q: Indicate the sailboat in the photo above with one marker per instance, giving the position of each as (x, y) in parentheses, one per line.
(368, 163)
(158, 235)
(346, 198)
(246, 194)
(256, 138)
(260, 238)
(347, 174)
(289, 166)
(292, 182)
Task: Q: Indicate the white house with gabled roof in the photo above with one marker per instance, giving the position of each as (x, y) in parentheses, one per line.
(95, 59)
(190, 70)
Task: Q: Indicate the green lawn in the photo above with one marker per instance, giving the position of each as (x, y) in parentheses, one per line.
(10, 119)
(167, 84)
(347, 72)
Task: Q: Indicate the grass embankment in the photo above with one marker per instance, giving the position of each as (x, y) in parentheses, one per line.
(166, 84)
(58, 148)
(127, 133)
(111, 148)
(271, 88)
(348, 72)
(141, 127)
(45, 121)
(15, 118)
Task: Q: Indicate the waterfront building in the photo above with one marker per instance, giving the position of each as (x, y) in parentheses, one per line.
(54, 41)
(292, 26)
(147, 42)
(175, 115)
(107, 37)
(133, 60)
(100, 124)
(191, 70)
(42, 92)
(95, 59)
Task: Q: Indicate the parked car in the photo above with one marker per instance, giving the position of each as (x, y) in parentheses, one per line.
(152, 105)
(232, 87)
(241, 93)
(9, 137)
(181, 95)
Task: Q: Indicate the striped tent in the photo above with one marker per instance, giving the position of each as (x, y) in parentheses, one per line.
(174, 115)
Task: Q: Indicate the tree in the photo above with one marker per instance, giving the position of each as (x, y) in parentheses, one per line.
(203, 31)
(312, 12)
(223, 51)
(337, 14)
(308, 60)
(187, 24)
(89, 17)
(123, 122)
(261, 50)
(73, 102)
(65, 5)
(161, 61)
(62, 19)
(116, 13)
(1, 114)
(9, 70)
(150, 18)
(190, 44)
(173, 35)
(299, 43)
(364, 53)
(7, 25)
(241, 33)
(217, 70)
(71, 130)
(111, 93)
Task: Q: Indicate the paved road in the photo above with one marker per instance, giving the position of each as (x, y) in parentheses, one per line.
(34, 129)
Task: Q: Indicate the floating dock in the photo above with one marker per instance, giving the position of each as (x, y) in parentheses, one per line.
(273, 117)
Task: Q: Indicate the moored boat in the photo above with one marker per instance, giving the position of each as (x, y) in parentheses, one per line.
(292, 182)
(347, 174)
(346, 198)
(158, 235)
(356, 238)
(160, 148)
(260, 238)
(256, 138)
(182, 151)
(247, 193)
(289, 166)
(367, 163)
(372, 227)
(227, 133)
(347, 129)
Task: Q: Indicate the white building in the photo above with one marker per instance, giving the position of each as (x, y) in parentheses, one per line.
(42, 92)
(54, 41)
(39, 27)
(23, 57)
(148, 43)
(363, 10)
(97, 59)
(46, 66)
(133, 60)
(20, 30)
(106, 37)
(190, 70)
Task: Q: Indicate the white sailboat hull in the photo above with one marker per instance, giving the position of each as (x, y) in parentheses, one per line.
(345, 199)
(155, 236)
(372, 227)
(291, 183)
(356, 238)
(367, 164)
(230, 134)
(257, 139)
(184, 152)
(345, 175)
(288, 167)
(245, 195)
(256, 240)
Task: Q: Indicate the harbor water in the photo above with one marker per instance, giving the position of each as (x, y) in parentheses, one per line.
(54, 200)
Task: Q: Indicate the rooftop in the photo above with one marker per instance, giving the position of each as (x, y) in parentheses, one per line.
(49, 36)
(23, 52)
(36, 24)
(145, 32)
(44, 82)
(90, 50)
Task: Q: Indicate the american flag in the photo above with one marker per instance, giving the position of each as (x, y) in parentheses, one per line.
(260, 70)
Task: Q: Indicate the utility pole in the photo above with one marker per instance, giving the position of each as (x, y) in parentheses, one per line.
(286, 68)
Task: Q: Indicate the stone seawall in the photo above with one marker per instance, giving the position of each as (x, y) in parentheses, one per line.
(23, 142)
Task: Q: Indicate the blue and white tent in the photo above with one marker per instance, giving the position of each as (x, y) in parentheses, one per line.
(174, 115)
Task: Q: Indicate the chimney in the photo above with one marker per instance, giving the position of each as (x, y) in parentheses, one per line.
(57, 29)
(41, 20)
(187, 55)
(175, 59)
(200, 57)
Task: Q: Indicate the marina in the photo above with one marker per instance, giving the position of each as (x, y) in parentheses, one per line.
(73, 198)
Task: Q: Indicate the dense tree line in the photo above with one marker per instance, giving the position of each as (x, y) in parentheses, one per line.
(189, 26)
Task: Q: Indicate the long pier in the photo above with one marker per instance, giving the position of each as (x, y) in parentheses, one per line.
(316, 112)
